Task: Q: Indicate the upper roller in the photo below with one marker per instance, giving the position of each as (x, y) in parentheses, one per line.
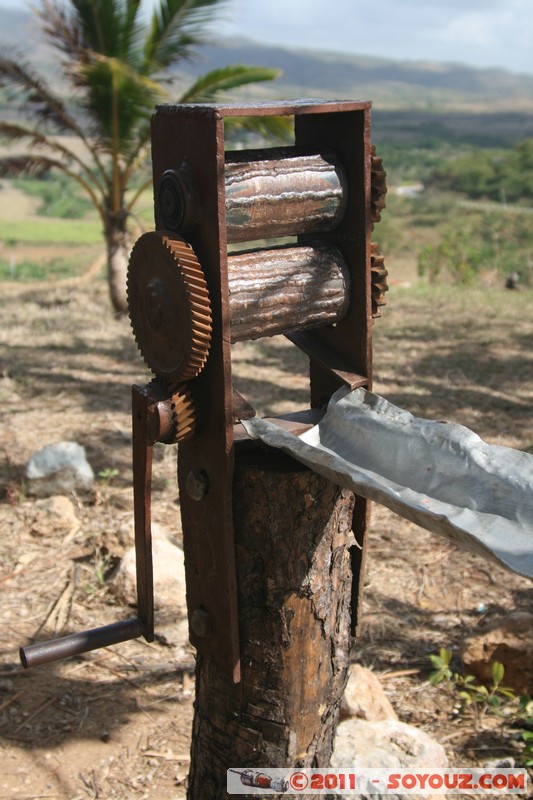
(169, 306)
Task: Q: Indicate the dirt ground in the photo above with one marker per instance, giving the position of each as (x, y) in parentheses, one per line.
(116, 723)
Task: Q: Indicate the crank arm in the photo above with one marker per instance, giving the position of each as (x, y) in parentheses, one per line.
(152, 421)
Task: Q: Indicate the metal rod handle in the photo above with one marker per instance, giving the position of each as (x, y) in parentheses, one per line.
(76, 643)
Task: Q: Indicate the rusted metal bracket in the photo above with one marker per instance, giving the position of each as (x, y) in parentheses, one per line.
(209, 197)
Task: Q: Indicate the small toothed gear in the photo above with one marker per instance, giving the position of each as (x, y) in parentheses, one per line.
(378, 191)
(183, 416)
(176, 411)
(169, 307)
(379, 280)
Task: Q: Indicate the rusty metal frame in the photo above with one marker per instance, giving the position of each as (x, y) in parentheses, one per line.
(190, 139)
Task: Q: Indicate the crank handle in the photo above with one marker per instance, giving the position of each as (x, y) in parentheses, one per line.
(156, 417)
(76, 643)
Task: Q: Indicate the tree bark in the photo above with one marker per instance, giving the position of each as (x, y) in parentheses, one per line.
(293, 538)
(118, 250)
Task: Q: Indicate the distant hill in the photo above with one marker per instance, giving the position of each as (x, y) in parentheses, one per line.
(392, 84)
(413, 101)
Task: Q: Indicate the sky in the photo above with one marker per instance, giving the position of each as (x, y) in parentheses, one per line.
(482, 33)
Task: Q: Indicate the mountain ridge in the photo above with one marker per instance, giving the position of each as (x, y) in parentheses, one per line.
(391, 84)
(327, 71)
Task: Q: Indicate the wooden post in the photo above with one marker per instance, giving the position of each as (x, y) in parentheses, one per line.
(293, 534)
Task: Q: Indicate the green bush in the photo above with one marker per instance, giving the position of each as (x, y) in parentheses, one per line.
(474, 242)
(499, 175)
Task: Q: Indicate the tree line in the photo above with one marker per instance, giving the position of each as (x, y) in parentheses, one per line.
(499, 175)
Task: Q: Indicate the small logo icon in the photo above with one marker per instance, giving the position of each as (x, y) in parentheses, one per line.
(261, 780)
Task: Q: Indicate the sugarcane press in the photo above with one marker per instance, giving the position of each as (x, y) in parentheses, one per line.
(191, 298)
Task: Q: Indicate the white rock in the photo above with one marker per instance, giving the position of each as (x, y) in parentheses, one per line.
(169, 574)
(388, 744)
(59, 469)
(364, 697)
(171, 624)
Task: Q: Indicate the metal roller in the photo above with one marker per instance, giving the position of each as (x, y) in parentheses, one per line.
(283, 192)
(286, 289)
(268, 194)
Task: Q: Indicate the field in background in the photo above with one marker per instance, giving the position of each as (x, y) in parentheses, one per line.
(43, 240)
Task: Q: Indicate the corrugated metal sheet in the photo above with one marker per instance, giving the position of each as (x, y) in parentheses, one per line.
(439, 475)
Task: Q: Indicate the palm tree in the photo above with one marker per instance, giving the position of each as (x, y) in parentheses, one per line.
(117, 63)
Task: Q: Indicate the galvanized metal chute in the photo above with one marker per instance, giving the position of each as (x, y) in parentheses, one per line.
(439, 475)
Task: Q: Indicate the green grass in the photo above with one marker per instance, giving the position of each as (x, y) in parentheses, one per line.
(27, 270)
(51, 231)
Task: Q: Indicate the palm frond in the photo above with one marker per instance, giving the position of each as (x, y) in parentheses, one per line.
(118, 99)
(214, 84)
(280, 129)
(177, 25)
(44, 103)
(33, 166)
(139, 154)
(142, 188)
(63, 29)
(14, 132)
(38, 165)
(133, 32)
(111, 28)
(100, 21)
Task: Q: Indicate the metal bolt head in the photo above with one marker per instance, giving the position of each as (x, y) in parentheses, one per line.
(176, 199)
(201, 623)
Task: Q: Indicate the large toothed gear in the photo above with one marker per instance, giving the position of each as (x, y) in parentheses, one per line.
(378, 190)
(169, 307)
(379, 280)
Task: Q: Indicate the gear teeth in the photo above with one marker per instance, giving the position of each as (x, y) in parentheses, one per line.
(129, 302)
(200, 306)
(196, 309)
(378, 191)
(379, 280)
(182, 409)
(183, 415)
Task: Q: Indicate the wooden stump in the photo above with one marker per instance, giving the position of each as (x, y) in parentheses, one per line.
(293, 532)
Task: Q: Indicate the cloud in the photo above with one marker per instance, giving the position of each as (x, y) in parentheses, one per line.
(482, 32)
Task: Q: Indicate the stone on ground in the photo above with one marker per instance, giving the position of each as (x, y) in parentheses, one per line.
(364, 697)
(171, 625)
(386, 744)
(59, 469)
(509, 641)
